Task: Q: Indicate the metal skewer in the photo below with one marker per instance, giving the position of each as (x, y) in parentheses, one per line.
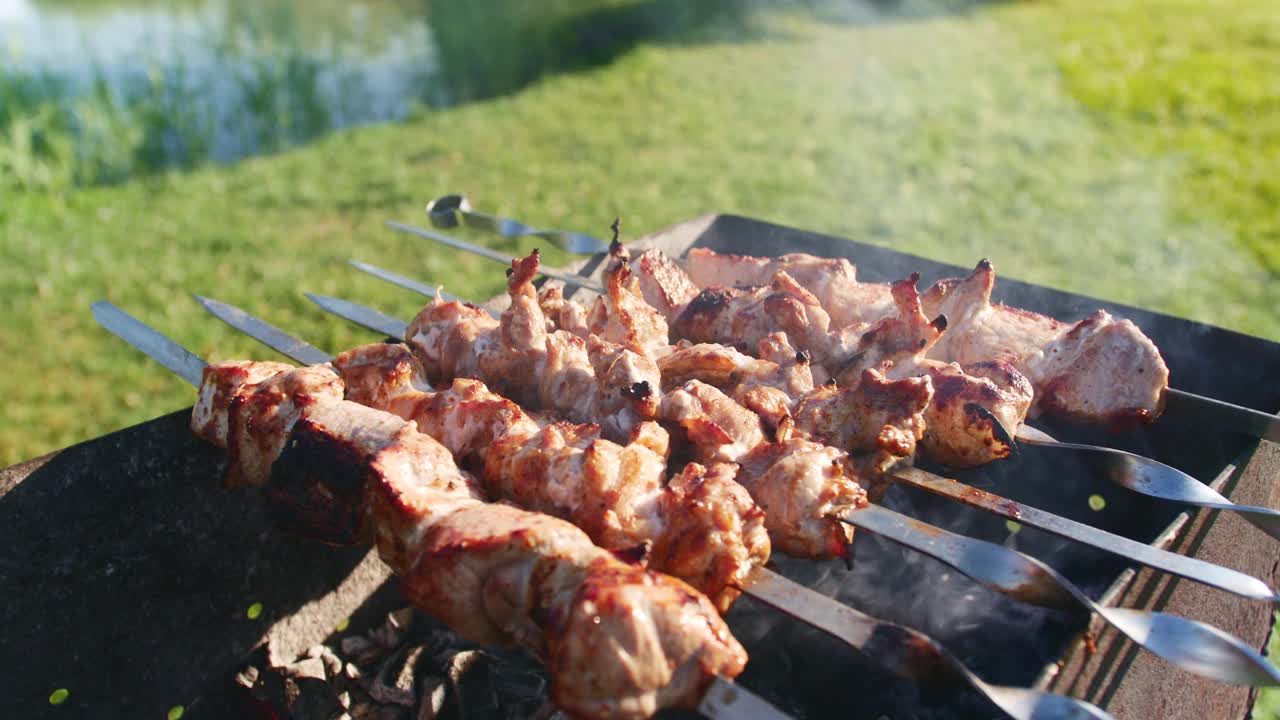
(1154, 478)
(909, 652)
(1197, 647)
(444, 212)
(1232, 581)
(1134, 472)
(566, 278)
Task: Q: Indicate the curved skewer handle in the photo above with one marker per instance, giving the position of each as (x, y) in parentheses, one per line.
(1154, 478)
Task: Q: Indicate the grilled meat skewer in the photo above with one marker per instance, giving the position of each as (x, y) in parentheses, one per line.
(910, 653)
(1099, 369)
(455, 337)
(700, 526)
(618, 640)
(974, 410)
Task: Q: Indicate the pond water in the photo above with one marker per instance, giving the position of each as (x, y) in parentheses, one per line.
(184, 81)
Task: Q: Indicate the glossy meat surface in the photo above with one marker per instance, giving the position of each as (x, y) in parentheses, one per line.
(1100, 369)
(832, 280)
(617, 493)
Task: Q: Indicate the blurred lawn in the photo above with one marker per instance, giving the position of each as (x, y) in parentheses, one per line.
(1130, 151)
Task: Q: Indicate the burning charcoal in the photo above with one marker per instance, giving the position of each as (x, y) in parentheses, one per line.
(344, 699)
(363, 650)
(310, 668)
(394, 683)
(352, 672)
(460, 663)
(311, 699)
(433, 697)
(314, 651)
(354, 645)
(386, 636)
(247, 677)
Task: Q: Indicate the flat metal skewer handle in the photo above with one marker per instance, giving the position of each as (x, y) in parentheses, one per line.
(1233, 581)
(907, 652)
(502, 258)
(1154, 478)
(1191, 645)
(445, 210)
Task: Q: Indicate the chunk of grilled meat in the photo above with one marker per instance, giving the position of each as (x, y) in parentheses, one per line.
(616, 493)
(871, 414)
(618, 641)
(519, 358)
(622, 377)
(622, 316)
(1099, 369)
(561, 312)
(744, 317)
(960, 426)
(975, 408)
(792, 477)
(664, 284)
(833, 281)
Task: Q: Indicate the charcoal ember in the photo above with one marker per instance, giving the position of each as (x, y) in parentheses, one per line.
(395, 682)
(401, 619)
(248, 677)
(519, 685)
(434, 695)
(468, 674)
(352, 672)
(311, 699)
(363, 650)
(386, 636)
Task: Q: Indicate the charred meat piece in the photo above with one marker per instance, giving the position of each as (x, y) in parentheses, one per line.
(803, 487)
(1100, 369)
(743, 318)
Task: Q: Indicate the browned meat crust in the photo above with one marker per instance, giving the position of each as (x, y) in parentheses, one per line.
(1099, 370)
